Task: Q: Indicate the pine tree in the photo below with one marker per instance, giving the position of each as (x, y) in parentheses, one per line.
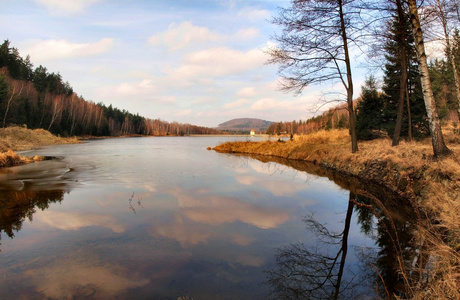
(443, 86)
(369, 110)
(391, 85)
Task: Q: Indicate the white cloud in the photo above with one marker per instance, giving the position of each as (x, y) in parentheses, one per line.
(247, 92)
(254, 14)
(67, 6)
(128, 89)
(179, 36)
(248, 33)
(218, 62)
(265, 104)
(183, 112)
(237, 103)
(142, 91)
(62, 49)
(435, 49)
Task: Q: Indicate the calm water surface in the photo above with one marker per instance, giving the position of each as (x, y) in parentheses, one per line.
(164, 218)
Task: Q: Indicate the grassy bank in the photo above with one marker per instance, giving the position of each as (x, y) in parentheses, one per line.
(19, 138)
(431, 185)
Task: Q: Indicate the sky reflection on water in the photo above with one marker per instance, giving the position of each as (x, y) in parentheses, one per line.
(162, 218)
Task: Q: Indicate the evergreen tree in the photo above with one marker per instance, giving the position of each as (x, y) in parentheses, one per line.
(18, 67)
(3, 90)
(443, 86)
(391, 85)
(369, 110)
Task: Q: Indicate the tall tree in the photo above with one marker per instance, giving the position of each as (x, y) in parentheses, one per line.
(403, 60)
(369, 110)
(443, 11)
(4, 88)
(314, 47)
(394, 91)
(437, 139)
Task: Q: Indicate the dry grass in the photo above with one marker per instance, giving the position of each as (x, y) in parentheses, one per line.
(20, 138)
(411, 171)
(10, 158)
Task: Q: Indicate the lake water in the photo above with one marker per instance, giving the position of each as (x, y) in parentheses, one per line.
(164, 218)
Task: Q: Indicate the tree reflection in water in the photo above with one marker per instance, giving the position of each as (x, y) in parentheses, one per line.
(17, 206)
(397, 263)
(320, 272)
(400, 261)
(314, 272)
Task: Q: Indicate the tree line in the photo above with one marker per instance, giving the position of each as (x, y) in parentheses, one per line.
(414, 95)
(37, 98)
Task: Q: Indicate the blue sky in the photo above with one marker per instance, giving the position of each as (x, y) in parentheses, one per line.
(195, 61)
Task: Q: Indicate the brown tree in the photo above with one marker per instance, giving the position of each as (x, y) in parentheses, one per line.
(403, 81)
(314, 47)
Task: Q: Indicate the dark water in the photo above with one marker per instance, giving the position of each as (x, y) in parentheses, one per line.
(164, 218)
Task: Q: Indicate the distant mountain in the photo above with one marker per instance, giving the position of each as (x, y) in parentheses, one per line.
(245, 124)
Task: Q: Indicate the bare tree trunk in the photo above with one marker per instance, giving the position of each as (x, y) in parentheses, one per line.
(403, 81)
(10, 101)
(349, 85)
(437, 139)
(8, 106)
(57, 107)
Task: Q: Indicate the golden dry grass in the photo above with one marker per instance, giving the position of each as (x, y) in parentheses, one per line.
(11, 158)
(408, 169)
(20, 138)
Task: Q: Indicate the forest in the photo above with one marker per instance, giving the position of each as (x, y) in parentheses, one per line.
(392, 106)
(35, 98)
(376, 106)
(419, 90)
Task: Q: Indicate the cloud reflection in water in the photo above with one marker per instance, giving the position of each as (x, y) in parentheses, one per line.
(70, 278)
(75, 221)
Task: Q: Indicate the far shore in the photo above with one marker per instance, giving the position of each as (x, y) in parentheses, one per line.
(17, 138)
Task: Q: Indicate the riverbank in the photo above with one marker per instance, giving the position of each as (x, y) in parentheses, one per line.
(409, 170)
(19, 138)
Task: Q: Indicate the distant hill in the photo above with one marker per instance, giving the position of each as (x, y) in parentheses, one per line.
(245, 124)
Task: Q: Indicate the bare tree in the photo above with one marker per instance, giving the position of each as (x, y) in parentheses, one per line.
(17, 85)
(437, 139)
(314, 47)
(57, 106)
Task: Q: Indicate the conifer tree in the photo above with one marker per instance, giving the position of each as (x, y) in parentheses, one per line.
(369, 110)
(414, 119)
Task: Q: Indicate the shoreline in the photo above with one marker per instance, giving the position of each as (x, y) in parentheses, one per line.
(409, 170)
(13, 139)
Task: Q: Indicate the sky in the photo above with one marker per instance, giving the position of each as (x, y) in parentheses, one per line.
(192, 61)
